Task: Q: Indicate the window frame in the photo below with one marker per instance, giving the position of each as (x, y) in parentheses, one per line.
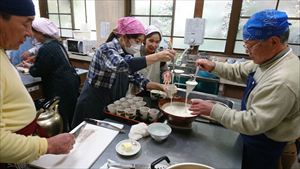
(234, 21)
(43, 5)
(230, 41)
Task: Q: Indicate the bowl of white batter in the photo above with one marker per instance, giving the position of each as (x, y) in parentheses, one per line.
(176, 112)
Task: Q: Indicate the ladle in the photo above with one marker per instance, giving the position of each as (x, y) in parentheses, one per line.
(190, 84)
(195, 75)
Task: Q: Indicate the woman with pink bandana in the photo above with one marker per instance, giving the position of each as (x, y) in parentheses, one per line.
(113, 67)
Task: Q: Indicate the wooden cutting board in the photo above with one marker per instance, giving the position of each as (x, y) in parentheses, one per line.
(89, 145)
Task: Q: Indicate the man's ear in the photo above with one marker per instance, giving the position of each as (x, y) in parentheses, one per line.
(275, 40)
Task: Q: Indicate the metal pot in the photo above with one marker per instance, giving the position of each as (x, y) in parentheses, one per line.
(155, 165)
(49, 118)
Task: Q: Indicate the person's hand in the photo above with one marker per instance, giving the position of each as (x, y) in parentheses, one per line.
(201, 107)
(205, 64)
(31, 59)
(26, 64)
(25, 55)
(61, 143)
(154, 86)
(163, 56)
(166, 55)
(167, 77)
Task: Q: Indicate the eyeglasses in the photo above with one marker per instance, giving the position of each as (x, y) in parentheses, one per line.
(248, 48)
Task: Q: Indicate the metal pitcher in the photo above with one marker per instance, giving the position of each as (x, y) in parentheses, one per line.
(49, 118)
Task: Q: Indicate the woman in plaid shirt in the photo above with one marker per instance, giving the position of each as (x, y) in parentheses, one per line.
(113, 67)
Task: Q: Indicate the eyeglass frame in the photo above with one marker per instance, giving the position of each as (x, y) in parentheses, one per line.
(251, 47)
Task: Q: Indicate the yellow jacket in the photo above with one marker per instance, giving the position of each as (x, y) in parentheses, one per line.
(17, 110)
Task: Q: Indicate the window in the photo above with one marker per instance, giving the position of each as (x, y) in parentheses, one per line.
(36, 8)
(216, 24)
(72, 15)
(154, 12)
(181, 14)
(59, 12)
(224, 20)
(170, 17)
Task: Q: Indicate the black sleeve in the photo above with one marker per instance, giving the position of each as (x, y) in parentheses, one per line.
(137, 63)
(43, 64)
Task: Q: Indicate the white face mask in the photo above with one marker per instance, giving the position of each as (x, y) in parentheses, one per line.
(134, 48)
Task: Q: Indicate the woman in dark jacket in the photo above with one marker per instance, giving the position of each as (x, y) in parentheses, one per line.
(52, 64)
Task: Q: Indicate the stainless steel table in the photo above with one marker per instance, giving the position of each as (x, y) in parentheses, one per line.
(28, 80)
(34, 84)
(205, 143)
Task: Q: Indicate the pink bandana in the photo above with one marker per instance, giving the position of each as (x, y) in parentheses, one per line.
(130, 25)
(45, 26)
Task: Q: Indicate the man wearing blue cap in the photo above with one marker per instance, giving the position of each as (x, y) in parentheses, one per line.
(269, 119)
(17, 110)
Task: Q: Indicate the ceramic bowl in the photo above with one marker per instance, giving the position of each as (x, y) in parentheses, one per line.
(129, 96)
(140, 103)
(159, 131)
(153, 114)
(144, 112)
(112, 108)
(137, 98)
(171, 90)
(130, 113)
(182, 119)
(123, 99)
(157, 94)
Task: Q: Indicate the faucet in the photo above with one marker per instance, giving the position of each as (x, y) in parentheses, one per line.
(182, 56)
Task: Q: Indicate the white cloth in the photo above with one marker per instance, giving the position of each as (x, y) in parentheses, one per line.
(152, 29)
(138, 131)
(46, 27)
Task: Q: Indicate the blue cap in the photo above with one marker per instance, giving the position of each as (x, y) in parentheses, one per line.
(17, 7)
(265, 24)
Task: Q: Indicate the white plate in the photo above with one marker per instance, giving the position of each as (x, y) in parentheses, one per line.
(134, 147)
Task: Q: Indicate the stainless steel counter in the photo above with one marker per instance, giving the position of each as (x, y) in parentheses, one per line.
(205, 143)
(208, 144)
(79, 57)
(28, 80)
(33, 84)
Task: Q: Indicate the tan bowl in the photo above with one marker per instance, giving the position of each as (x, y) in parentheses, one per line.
(176, 119)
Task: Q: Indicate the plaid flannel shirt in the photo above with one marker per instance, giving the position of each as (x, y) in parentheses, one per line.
(109, 60)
